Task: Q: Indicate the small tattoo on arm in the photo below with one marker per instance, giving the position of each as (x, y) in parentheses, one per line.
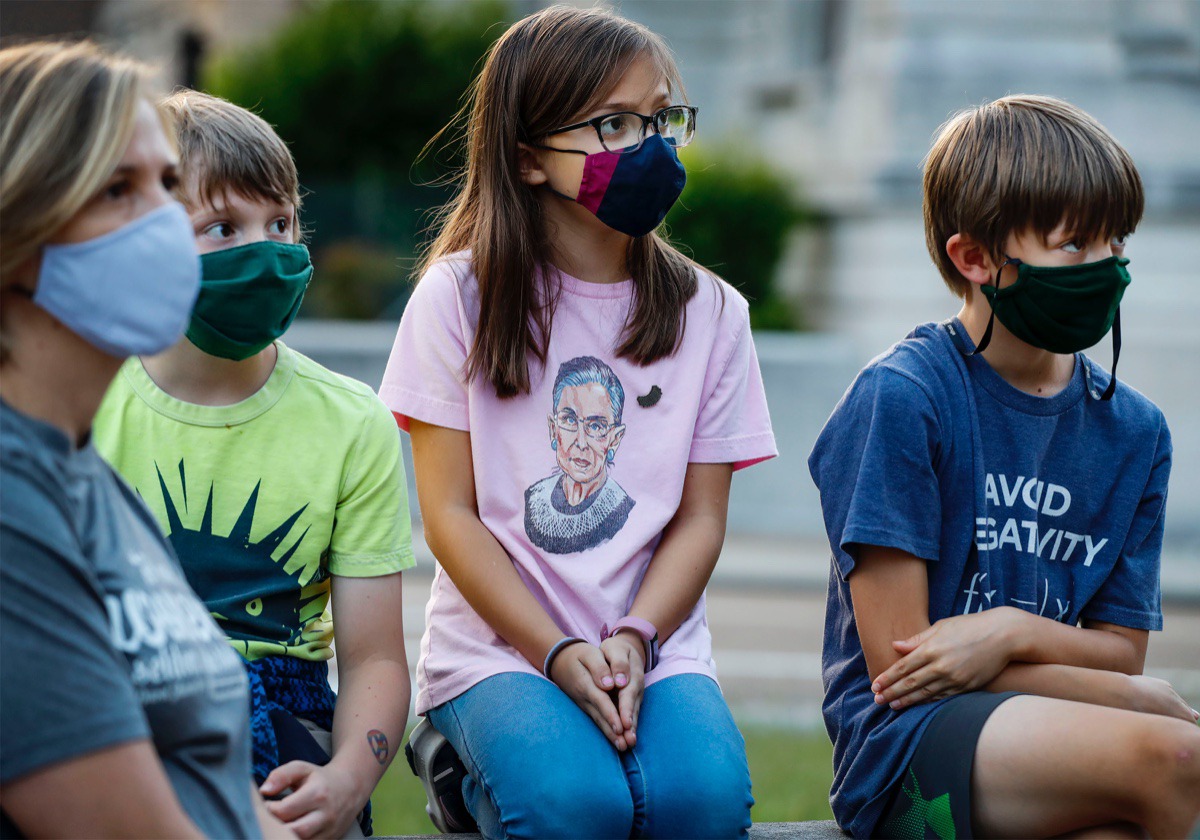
(379, 745)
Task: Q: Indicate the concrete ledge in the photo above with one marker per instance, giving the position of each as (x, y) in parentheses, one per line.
(816, 830)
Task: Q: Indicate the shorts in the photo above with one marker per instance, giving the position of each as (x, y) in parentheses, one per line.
(932, 800)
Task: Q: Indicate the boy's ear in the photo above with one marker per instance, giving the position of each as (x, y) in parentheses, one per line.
(971, 259)
(529, 167)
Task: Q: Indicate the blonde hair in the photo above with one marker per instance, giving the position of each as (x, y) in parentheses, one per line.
(67, 113)
(224, 147)
(1025, 163)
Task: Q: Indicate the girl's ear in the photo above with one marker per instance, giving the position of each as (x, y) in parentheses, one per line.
(530, 169)
(971, 259)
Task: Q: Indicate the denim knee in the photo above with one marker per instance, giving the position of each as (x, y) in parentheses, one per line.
(570, 802)
(689, 772)
(706, 801)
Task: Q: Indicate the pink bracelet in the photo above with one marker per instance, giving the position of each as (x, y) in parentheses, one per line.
(644, 629)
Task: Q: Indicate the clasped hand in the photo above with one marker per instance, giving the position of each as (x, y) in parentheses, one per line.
(956, 655)
(606, 682)
(321, 803)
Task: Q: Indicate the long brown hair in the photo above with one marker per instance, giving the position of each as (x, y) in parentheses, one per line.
(543, 71)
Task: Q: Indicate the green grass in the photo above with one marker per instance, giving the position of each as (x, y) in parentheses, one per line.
(791, 772)
(398, 805)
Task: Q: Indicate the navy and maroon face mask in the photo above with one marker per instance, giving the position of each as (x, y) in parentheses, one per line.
(630, 191)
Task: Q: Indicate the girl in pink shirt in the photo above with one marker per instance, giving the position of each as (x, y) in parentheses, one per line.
(578, 395)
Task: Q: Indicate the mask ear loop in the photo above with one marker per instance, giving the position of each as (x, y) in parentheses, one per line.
(987, 333)
(546, 148)
(1116, 331)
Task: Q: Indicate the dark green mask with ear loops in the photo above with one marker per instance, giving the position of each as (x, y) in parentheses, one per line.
(249, 296)
(1062, 309)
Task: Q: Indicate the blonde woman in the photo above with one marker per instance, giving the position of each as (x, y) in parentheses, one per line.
(122, 708)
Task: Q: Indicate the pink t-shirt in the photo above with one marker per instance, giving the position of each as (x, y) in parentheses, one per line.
(577, 479)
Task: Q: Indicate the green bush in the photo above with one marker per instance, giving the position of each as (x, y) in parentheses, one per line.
(358, 280)
(734, 217)
(357, 89)
(361, 86)
(364, 233)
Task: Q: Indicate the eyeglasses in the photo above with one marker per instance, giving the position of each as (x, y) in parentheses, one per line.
(597, 428)
(625, 131)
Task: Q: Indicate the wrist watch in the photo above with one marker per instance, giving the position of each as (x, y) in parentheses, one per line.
(645, 631)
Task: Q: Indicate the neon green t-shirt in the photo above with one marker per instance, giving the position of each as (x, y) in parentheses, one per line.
(263, 500)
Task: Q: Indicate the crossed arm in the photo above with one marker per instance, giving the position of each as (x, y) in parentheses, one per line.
(1002, 649)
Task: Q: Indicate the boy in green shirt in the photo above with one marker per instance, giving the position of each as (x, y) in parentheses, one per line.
(279, 482)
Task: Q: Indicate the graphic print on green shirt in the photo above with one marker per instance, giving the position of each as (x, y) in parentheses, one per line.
(268, 500)
(262, 602)
(922, 814)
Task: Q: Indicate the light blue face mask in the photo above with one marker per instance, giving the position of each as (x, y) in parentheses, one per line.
(129, 292)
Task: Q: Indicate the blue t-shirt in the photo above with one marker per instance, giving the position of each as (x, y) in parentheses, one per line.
(1053, 505)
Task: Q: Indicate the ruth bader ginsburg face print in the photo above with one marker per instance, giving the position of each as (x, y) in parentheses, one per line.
(580, 506)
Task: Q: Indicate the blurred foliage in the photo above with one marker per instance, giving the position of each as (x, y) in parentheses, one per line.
(358, 280)
(358, 88)
(734, 217)
(362, 86)
(364, 234)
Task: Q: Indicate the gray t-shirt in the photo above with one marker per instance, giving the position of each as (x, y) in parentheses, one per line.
(103, 640)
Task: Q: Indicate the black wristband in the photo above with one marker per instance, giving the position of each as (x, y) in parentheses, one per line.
(559, 646)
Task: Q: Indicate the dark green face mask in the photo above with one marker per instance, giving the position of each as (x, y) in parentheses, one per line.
(249, 296)
(1063, 309)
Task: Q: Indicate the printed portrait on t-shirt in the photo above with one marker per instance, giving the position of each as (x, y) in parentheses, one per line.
(580, 506)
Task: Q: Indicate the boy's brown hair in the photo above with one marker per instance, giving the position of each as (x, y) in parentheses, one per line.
(225, 148)
(1025, 163)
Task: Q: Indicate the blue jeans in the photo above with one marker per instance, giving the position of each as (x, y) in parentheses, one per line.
(540, 768)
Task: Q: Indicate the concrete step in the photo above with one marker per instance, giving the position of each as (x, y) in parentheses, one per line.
(815, 830)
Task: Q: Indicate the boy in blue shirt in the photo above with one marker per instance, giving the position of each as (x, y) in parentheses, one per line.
(994, 502)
